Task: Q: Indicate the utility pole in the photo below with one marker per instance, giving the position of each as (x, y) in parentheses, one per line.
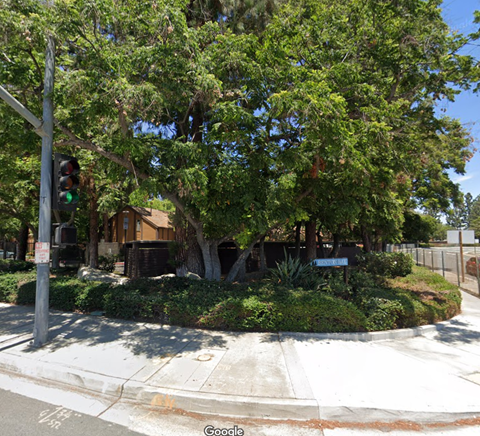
(40, 328)
(45, 130)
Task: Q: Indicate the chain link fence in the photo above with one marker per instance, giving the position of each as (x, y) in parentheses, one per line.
(460, 270)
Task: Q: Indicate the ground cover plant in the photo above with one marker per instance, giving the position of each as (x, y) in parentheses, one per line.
(404, 296)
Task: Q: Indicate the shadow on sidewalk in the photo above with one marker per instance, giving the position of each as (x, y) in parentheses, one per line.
(458, 332)
(150, 340)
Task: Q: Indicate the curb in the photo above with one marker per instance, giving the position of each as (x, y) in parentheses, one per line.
(219, 404)
(373, 336)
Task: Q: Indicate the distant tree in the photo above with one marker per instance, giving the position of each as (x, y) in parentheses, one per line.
(474, 217)
(419, 228)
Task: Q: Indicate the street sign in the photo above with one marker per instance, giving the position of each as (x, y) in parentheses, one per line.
(125, 223)
(468, 236)
(341, 261)
(42, 252)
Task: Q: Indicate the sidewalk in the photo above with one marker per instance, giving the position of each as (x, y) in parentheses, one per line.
(432, 377)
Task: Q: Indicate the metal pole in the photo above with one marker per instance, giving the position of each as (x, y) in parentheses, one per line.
(40, 329)
(460, 238)
(23, 111)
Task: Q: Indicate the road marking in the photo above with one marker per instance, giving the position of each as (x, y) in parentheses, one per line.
(54, 419)
(163, 401)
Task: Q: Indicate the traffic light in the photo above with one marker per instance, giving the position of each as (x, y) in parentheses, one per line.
(65, 182)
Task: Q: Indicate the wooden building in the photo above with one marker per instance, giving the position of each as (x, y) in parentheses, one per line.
(140, 224)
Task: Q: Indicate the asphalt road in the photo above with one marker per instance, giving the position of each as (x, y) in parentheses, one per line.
(22, 416)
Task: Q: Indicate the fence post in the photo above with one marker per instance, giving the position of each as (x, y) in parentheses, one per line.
(416, 255)
(443, 263)
(433, 267)
(424, 263)
(458, 270)
(476, 266)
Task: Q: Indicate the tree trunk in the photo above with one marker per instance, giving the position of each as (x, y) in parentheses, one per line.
(263, 258)
(106, 232)
(217, 267)
(310, 240)
(210, 256)
(242, 270)
(94, 219)
(298, 234)
(366, 239)
(180, 244)
(194, 260)
(336, 245)
(232, 274)
(320, 243)
(22, 242)
(188, 254)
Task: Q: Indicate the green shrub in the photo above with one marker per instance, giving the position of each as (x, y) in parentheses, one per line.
(26, 293)
(123, 303)
(303, 312)
(235, 313)
(63, 293)
(8, 287)
(8, 266)
(91, 297)
(382, 313)
(107, 263)
(10, 283)
(386, 265)
(294, 273)
(366, 304)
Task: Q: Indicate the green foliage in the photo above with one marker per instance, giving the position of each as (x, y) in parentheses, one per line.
(8, 266)
(387, 265)
(316, 312)
(91, 297)
(292, 272)
(382, 313)
(417, 227)
(107, 263)
(365, 304)
(10, 283)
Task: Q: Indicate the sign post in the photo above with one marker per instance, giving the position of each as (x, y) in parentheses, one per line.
(461, 237)
(341, 261)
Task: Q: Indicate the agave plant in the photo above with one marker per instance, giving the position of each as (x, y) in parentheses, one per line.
(294, 273)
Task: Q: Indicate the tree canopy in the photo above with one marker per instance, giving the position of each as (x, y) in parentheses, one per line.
(250, 115)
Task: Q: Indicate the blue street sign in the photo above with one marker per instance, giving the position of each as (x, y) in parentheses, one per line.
(341, 261)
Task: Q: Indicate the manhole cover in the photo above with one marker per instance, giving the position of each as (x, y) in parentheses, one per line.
(205, 357)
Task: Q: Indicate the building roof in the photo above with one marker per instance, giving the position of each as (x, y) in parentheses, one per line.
(157, 218)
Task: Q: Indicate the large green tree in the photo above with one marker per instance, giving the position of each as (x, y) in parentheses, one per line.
(328, 112)
(357, 83)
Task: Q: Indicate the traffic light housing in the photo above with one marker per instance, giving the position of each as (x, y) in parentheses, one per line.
(65, 183)
(65, 235)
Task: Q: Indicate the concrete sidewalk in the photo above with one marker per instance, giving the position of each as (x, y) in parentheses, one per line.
(429, 374)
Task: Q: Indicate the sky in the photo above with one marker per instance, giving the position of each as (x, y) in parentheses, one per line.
(458, 14)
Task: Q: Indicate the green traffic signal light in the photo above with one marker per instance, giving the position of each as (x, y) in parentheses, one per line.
(69, 197)
(65, 183)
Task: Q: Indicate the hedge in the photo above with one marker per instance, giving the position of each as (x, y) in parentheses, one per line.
(366, 304)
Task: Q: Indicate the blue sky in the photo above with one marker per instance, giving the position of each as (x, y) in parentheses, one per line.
(459, 16)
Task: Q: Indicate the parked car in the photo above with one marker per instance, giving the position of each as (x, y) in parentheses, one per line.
(10, 254)
(471, 266)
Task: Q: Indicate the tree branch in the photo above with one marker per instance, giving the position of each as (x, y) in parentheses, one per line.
(89, 145)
